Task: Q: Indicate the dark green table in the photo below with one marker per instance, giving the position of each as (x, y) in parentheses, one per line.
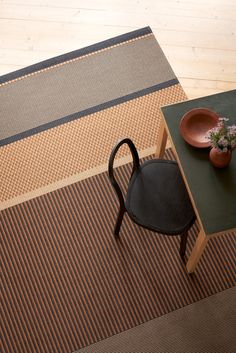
(212, 190)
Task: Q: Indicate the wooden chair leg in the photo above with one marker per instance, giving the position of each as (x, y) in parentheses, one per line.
(183, 243)
(119, 221)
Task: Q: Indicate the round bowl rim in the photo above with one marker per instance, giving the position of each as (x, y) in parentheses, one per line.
(189, 114)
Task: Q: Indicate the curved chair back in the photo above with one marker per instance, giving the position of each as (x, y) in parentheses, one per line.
(111, 163)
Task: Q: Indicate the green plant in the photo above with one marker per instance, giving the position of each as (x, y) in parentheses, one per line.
(223, 136)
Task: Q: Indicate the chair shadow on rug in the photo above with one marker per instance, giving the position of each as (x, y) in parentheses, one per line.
(156, 197)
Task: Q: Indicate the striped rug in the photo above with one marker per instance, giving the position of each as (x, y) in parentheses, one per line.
(67, 283)
(205, 326)
(60, 118)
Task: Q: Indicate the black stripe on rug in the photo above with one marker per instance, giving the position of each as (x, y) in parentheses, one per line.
(75, 54)
(87, 112)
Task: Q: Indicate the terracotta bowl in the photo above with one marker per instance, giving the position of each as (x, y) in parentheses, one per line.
(195, 124)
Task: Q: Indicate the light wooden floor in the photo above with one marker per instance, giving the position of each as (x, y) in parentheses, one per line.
(197, 36)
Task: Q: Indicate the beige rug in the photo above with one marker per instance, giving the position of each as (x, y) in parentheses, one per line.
(60, 118)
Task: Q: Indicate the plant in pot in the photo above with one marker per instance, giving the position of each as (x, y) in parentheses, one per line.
(223, 141)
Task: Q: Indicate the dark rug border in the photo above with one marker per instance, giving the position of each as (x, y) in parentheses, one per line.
(75, 54)
(88, 111)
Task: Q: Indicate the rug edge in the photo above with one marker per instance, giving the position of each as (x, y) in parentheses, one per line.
(83, 349)
(75, 54)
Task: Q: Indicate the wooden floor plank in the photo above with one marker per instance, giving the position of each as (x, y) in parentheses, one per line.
(198, 37)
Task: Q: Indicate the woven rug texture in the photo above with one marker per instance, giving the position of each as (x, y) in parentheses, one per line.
(180, 331)
(60, 118)
(68, 283)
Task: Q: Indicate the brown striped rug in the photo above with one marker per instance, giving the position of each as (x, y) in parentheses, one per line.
(205, 326)
(67, 283)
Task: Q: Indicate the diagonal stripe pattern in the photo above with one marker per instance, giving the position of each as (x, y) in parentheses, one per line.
(67, 283)
(61, 117)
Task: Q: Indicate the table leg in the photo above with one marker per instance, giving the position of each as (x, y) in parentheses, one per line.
(197, 251)
(162, 139)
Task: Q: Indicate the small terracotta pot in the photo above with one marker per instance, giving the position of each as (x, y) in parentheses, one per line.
(220, 159)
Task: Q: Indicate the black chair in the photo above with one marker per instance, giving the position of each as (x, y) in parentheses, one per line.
(156, 198)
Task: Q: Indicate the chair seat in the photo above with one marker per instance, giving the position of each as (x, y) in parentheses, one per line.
(157, 198)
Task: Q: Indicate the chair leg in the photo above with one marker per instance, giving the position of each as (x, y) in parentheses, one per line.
(183, 243)
(119, 221)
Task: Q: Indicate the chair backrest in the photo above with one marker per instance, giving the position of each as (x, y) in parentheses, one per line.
(111, 163)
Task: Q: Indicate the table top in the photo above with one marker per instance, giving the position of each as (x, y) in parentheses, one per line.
(213, 190)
